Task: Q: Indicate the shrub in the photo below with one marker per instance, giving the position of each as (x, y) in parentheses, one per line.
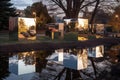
(71, 36)
(91, 37)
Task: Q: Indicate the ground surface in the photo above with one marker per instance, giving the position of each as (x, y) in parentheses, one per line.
(37, 45)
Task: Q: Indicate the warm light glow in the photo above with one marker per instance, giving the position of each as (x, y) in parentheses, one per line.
(33, 52)
(52, 35)
(116, 16)
(26, 28)
(99, 36)
(34, 13)
(24, 54)
(82, 60)
(99, 51)
(28, 22)
(80, 23)
(82, 38)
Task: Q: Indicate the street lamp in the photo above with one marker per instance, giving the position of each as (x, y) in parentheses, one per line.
(116, 16)
(34, 13)
(117, 24)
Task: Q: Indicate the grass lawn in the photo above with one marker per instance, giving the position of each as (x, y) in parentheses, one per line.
(4, 39)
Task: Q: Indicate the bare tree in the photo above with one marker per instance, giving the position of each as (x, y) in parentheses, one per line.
(71, 8)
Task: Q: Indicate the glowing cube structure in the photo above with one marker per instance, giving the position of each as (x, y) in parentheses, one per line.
(96, 52)
(22, 28)
(20, 64)
(78, 62)
(80, 24)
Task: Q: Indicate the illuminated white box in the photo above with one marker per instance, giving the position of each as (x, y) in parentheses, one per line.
(82, 24)
(97, 51)
(19, 66)
(78, 62)
(22, 28)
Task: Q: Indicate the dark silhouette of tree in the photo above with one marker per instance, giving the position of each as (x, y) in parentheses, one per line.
(102, 17)
(4, 72)
(71, 8)
(115, 19)
(41, 61)
(93, 15)
(28, 12)
(6, 10)
(40, 13)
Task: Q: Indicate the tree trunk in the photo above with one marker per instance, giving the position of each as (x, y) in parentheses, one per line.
(75, 74)
(71, 14)
(93, 16)
(60, 74)
(94, 68)
(68, 74)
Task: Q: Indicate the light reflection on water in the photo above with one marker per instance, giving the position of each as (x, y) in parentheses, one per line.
(63, 63)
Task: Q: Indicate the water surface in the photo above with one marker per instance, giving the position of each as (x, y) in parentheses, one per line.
(99, 62)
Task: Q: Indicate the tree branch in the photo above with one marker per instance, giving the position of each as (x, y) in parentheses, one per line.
(60, 4)
(88, 4)
(95, 11)
(60, 74)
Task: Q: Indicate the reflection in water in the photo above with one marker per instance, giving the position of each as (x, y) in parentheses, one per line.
(22, 63)
(25, 64)
(73, 61)
(97, 51)
(27, 57)
(78, 61)
(62, 64)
